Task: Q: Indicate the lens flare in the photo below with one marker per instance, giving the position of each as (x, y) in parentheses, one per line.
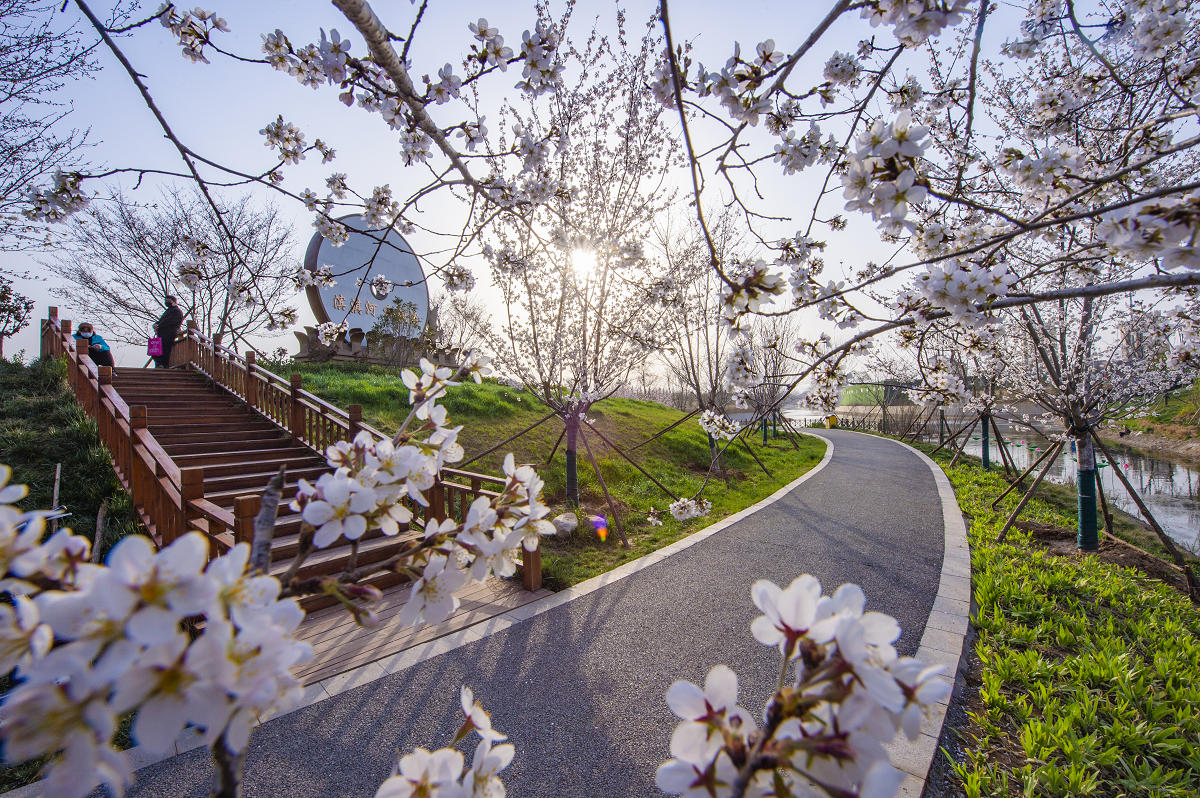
(601, 525)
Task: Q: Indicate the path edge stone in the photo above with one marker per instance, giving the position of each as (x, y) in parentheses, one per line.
(364, 674)
(945, 632)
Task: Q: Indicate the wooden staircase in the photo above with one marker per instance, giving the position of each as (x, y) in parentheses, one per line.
(233, 451)
(196, 445)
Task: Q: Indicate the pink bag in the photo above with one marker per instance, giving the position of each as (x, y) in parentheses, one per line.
(154, 347)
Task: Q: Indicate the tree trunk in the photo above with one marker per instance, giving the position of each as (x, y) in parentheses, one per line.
(986, 453)
(1087, 539)
(572, 463)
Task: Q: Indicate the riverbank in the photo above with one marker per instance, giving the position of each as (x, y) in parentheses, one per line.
(1170, 440)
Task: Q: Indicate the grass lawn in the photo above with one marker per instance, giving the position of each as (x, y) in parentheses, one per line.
(679, 459)
(40, 426)
(1085, 675)
(1088, 673)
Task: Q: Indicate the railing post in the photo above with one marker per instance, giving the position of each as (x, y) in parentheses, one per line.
(245, 508)
(531, 568)
(355, 413)
(102, 418)
(48, 332)
(218, 362)
(193, 351)
(438, 502)
(191, 487)
(137, 489)
(297, 410)
(251, 384)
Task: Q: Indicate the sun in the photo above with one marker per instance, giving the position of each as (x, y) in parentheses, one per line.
(583, 261)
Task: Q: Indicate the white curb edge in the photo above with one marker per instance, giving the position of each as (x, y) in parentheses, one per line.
(945, 632)
(365, 674)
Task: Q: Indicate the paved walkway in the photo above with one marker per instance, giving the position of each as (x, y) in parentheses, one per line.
(580, 689)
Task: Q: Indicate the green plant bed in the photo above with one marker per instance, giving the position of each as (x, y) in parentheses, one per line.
(678, 459)
(1088, 673)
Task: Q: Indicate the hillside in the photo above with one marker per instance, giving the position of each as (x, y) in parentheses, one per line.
(679, 459)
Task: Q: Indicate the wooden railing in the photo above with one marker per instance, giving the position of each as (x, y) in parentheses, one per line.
(172, 499)
(154, 481)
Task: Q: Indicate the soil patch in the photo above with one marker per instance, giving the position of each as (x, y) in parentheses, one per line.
(1061, 542)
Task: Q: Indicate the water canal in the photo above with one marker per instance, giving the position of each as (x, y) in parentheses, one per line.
(1171, 489)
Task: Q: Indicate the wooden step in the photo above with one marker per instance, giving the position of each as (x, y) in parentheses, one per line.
(223, 489)
(229, 427)
(220, 436)
(286, 541)
(240, 461)
(204, 402)
(332, 560)
(252, 440)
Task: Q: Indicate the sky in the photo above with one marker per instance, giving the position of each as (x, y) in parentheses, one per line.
(218, 110)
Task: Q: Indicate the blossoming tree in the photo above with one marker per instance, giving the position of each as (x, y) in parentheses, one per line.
(959, 211)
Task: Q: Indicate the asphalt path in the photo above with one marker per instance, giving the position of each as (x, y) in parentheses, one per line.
(580, 689)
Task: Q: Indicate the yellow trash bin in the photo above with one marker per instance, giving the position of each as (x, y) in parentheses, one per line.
(830, 421)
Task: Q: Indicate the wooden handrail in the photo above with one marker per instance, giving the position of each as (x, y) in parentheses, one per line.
(213, 512)
(171, 501)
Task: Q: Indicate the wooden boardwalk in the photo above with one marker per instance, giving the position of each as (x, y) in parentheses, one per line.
(340, 645)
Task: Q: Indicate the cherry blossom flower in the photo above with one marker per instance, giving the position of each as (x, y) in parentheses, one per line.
(432, 599)
(336, 506)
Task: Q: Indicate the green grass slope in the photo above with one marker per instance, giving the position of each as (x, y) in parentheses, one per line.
(678, 459)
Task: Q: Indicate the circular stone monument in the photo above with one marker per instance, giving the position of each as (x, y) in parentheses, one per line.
(371, 270)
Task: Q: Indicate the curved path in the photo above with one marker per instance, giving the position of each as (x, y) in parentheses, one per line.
(580, 688)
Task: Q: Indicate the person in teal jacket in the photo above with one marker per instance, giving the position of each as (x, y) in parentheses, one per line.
(96, 348)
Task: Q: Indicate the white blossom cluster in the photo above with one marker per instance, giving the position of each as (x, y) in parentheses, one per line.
(541, 72)
(446, 89)
(1164, 228)
(718, 425)
(797, 154)
(884, 169)
(751, 284)
(373, 481)
(742, 370)
(843, 69)
(380, 210)
(57, 202)
(827, 383)
(824, 733)
(916, 21)
(685, 508)
(961, 287)
(287, 137)
(736, 83)
(191, 28)
(321, 277)
(329, 333)
(332, 230)
(440, 774)
(1162, 25)
(120, 648)
(941, 385)
(492, 51)
(1043, 176)
(458, 278)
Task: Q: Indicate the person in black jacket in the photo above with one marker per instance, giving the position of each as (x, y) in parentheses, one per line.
(167, 328)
